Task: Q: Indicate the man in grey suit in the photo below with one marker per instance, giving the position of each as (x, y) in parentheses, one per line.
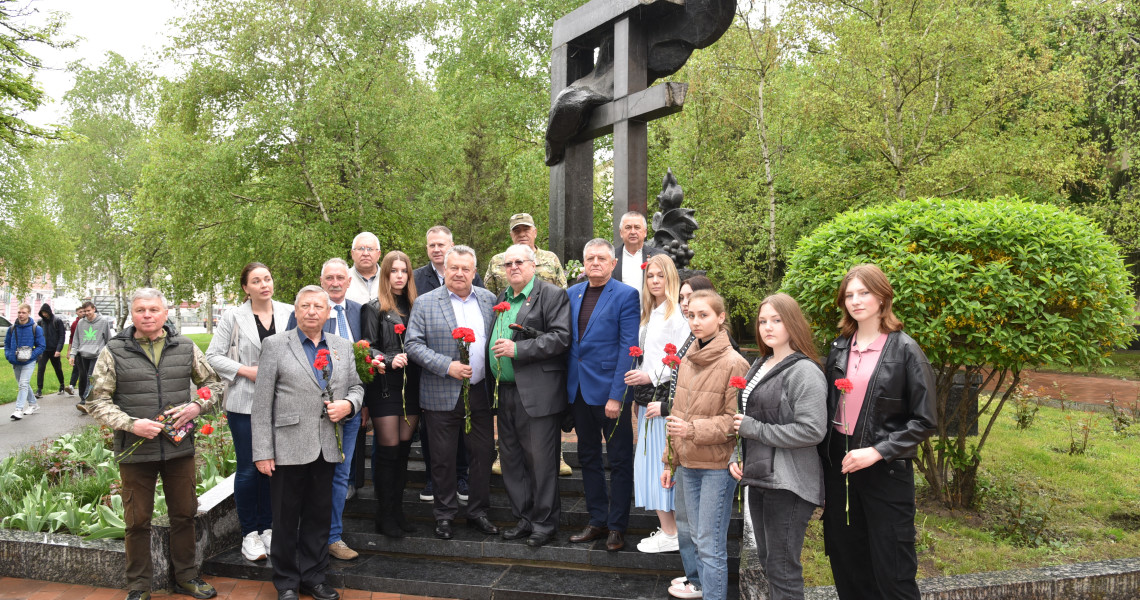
(429, 343)
(298, 407)
(531, 370)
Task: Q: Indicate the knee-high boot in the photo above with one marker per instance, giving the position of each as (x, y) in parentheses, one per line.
(386, 524)
(401, 483)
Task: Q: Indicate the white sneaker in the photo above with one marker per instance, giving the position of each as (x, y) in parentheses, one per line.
(252, 548)
(31, 409)
(267, 540)
(685, 591)
(17, 415)
(659, 541)
(679, 581)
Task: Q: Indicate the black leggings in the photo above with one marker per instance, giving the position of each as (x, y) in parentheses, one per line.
(43, 361)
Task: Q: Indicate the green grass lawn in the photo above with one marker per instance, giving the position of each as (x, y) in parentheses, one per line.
(8, 387)
(1125, 363)
(1079, 508)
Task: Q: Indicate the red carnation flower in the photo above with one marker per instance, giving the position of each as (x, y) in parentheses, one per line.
(670, 349)
(323, 352)
(635, 351)
(204, 393)
(502, 307)
(469, 337)
(207, 429)
(457, 333)
(844, 385)
(399, 329)
(320, 363)
(737, 382)
(671, 361)
(644, 265)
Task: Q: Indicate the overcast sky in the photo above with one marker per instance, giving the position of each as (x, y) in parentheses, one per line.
(136, 29)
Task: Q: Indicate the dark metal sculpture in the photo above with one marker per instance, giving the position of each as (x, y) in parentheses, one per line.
(673, 226)
(672, 31)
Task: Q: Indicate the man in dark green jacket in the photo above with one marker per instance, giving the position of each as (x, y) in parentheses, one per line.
(145, 371)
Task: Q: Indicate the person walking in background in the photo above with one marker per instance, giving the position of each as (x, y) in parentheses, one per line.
(144, 370)
(702, 440)
(662, 324)
(887, 408)
(784, 420)
(234, 353)
(530, 369)
(55, 334)
(392, 400)
(23, 345)
(603, 316)
(93, 332)
(74, 379)
(307, 386)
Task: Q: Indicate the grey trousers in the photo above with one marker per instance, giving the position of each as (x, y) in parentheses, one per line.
(779, 520)
(528, 450)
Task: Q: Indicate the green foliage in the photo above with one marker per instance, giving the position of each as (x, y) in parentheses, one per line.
(73, 485)
(991, 287)
(19, 91)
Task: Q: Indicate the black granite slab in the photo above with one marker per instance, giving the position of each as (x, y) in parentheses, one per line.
(538, 583)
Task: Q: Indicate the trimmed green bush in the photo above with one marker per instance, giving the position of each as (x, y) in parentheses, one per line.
(987, 289)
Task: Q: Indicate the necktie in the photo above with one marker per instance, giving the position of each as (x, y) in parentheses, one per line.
(341, 324)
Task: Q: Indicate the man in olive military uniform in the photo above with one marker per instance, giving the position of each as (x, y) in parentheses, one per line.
(547, 266)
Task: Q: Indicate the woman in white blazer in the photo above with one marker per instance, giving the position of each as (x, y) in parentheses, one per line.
(233, 353)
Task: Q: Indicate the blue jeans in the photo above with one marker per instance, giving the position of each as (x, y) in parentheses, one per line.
(684, 538)
(251, 488)
(24, 377)
(708, 504)
(341, 476)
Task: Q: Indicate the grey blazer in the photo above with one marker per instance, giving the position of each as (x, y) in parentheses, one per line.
(287, 420)
(430, 345)
(239, 396)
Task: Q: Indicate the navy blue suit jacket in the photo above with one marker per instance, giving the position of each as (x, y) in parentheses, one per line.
(599, 361)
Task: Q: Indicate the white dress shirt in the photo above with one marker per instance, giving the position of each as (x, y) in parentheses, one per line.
(631, 273)
(468, 314)
(658, 332)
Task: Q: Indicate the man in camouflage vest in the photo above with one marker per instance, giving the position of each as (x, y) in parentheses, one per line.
(547, 268)
(144, 371)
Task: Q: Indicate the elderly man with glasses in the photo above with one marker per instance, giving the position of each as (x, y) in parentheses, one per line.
(365, 272)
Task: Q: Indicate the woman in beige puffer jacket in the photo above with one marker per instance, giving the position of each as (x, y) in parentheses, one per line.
(701, 434)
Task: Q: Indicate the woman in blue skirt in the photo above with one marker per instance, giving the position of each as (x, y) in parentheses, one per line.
(662, 326)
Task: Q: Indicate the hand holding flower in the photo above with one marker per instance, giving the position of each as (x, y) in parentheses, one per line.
(504, 348)
(653, 409)
(679, 428)
(859, 459)
(146, 428)
(636, 377)
(458, 370)
(736, 420)
(734, 470)
(338, 409)
(400, 361)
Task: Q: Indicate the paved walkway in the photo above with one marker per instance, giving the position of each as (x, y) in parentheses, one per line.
(1087, 389)
(228, 589)
(57, 416)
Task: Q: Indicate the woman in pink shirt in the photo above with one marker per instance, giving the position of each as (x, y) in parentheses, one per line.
(881, 401)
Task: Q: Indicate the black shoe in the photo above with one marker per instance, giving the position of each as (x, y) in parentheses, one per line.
(514, 533)
(287, 595)
(321, 591)
(537, 539)
(195, 587)
(589, 534)
(482, 525)
(443, 529)
(39, 394)
(138, 595)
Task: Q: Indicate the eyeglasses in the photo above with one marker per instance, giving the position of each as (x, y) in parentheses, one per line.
(514, 263)
(366, 250)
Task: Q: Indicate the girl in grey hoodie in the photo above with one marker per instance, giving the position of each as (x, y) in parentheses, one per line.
(784, 417)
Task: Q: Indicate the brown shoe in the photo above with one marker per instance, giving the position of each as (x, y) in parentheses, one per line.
(340, 550)
(589, 534)
(615, 541)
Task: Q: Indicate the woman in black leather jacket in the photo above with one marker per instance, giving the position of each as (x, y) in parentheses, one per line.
(392, 398)
(881, 401)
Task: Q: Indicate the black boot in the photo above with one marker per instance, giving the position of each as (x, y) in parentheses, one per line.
(386, 480)
(401, 484)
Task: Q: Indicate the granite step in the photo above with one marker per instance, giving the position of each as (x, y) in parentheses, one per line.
(569, 453)
(470, 580)
(573, 517)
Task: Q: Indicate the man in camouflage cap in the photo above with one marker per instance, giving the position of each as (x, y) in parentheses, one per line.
(548, 268)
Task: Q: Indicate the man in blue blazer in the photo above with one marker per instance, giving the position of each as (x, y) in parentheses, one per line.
(344, 321)
(604, 316)
(430, 344)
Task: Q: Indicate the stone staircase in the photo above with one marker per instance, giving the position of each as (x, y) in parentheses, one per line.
(473, 566)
